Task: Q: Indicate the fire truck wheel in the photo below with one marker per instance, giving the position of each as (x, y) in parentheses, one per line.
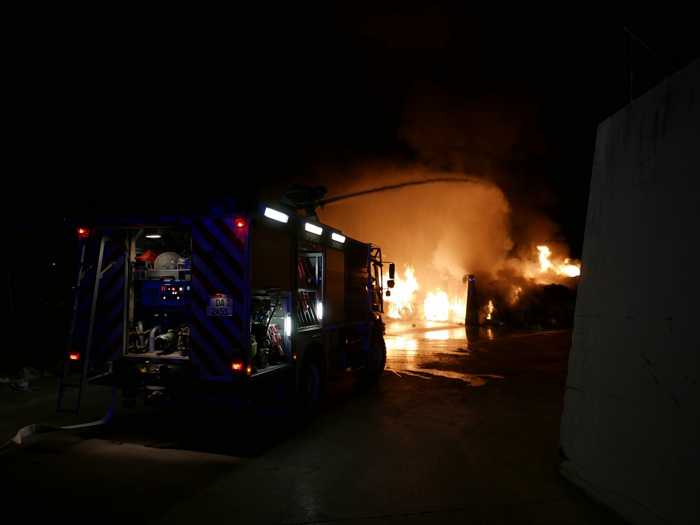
(310, 386)
(376, 360)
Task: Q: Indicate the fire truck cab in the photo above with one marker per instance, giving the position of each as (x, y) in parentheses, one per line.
(181, 306)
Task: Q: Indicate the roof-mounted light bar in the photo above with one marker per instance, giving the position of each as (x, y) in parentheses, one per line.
(275, 215)
(312, 228)
(338, 238)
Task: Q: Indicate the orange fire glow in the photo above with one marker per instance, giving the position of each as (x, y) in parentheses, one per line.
(566, 268)
(489, 310)
(404, 303)
(436, 306)
(408, 301)
(401, 302)
(515, 294)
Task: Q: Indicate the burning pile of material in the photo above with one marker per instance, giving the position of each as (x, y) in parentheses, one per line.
(402, 301)
(439, 234)
(409, 301)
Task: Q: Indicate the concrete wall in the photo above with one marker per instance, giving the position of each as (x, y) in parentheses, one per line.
(629, 431)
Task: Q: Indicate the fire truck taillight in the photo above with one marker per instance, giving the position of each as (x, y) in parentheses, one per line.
(338, 238)
(237, 366)
(240, 223)
(312, 228)
(83, 232)
(276, 215)
(74, 356)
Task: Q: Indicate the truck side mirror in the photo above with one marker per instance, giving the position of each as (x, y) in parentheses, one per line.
(392, 272)
(390, 283)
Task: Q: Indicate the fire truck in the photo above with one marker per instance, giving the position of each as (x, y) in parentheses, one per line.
(178, 307)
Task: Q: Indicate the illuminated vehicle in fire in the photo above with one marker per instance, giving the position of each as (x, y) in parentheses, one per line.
(177, 307)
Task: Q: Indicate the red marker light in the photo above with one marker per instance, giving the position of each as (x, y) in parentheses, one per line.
(83, 232)
(240, 223)
(74, 356)
(237, 366)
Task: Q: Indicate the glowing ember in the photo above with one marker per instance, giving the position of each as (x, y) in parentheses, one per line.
(489, 310)
(401, 302)
(515, 294)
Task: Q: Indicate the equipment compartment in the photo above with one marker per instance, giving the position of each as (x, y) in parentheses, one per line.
(310, 288)
(159, 290)
(270, 326)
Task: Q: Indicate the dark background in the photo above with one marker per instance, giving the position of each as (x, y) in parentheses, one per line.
(129, 111)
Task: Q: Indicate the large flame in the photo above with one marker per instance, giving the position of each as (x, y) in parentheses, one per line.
(449, 230)
(438, 306)
(401, 302)
(544, 255)
(567, 268)
(407, 301)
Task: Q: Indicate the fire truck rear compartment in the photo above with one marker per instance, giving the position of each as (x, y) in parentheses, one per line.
(159, 292)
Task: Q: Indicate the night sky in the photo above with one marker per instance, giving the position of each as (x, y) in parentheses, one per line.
(123, 116)
(139, 112)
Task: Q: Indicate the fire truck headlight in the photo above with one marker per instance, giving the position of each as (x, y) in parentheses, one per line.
(288, 325)
(312, 228)
(338, 238)
(276, 215)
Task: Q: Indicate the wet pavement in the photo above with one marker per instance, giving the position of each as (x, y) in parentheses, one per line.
(457, 430)
(428, 349)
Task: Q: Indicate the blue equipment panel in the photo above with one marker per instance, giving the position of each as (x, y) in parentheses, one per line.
(169, 294)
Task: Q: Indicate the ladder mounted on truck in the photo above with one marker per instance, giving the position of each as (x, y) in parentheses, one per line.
(82, 362)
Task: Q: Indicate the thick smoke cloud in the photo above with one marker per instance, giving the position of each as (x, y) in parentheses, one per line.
(443, 230)
(489, 226)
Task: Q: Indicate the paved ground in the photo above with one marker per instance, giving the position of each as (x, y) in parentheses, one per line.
(454, 432)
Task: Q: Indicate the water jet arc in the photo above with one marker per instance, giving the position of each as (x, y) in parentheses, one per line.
(397, 186)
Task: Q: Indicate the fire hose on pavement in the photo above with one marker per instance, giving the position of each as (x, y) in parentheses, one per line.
(27, 432)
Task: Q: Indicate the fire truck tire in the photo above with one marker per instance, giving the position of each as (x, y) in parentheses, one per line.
(376, 360)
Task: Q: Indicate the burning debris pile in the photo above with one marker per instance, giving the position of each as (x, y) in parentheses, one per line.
(535, 297)
(439, 234)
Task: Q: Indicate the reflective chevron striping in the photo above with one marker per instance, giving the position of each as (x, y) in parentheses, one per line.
(218, 267)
